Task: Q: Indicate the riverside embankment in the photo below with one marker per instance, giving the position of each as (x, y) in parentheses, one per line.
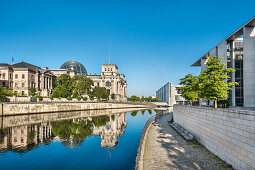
(7, 109)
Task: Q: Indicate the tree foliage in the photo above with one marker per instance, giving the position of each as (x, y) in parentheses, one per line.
(4, 92)
(101, 93)
(113, 96)
(32, 91)
(190, 87)
(64, 86)
(214, 79)
(72, 87)
(81, 85)
(211, 84)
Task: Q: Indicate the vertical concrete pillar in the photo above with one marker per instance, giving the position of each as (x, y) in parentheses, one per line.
(233, 91)
(249, 66)
(222, 52)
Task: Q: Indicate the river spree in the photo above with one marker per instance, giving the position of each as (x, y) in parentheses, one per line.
(74, 140)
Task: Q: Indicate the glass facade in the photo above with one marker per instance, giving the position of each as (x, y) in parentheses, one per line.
(235, 61)
(79, 68)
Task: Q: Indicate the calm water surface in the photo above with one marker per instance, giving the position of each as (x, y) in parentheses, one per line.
(54, 141)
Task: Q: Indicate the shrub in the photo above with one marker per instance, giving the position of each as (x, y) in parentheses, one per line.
(84, 98)
(224, 103)
(39, 97)
(51, 97)
(69, 98)
(78, 98)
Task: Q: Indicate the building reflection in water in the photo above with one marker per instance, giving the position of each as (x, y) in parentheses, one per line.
(71, 133)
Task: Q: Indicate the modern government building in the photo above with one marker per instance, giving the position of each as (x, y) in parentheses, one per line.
(170, 94)
(21, 76)
(238, 51)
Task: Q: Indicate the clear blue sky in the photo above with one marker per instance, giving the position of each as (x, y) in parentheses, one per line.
(152, 42)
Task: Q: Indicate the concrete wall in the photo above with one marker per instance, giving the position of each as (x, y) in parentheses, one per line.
(228, 133)
(28, 119)
(248, 66)
(26, 108)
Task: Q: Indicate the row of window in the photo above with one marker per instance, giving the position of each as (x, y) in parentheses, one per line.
(16, 76)
(16, 85)
(108, 69)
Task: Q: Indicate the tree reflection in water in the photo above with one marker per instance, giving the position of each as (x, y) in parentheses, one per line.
(71, 133)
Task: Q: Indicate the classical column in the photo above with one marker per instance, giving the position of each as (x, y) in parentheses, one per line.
(115, 87)
(249, 66)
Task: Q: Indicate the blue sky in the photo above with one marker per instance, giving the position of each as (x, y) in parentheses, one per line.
(152, 42)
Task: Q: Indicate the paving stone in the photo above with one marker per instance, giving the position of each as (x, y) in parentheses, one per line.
(166, 149)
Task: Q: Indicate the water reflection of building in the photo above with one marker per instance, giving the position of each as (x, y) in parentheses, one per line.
(111, 132)
(25, 138)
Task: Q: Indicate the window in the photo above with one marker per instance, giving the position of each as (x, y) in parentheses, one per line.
(23, 84)
(16, 76)
(108, 83)
(105, 69)
(10, 76)
(111, 69)
(3, 84)
(23, 76)
(3, 75)
(108, 69)
(32, 77)
(16, 85)
(15, 139)
(22, 92)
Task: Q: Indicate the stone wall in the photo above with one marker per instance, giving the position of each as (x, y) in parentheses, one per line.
(228, 133)
(24, 120)
(27, 108)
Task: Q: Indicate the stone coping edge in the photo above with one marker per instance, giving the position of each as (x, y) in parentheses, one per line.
(141, 148)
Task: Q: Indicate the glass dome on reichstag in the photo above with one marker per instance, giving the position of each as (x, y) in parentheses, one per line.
(79, 68)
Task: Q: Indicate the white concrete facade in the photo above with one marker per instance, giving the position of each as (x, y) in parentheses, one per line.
(238, 52)
(169, 94)
(249, 66)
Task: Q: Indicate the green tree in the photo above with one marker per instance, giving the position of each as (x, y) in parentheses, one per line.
(156, 99)
(149, 99)
(142, 98)
(64, 87)
(215, 84)
(81, 85)
(190, 87)
(101, 93)
(113, 96)
(3, 93)
(32, 91)
(134, 98)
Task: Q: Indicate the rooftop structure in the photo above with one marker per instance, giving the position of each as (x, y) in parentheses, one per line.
(78, 67)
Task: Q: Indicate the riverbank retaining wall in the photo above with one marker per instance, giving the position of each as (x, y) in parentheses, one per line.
(28, 108)
(228, 133)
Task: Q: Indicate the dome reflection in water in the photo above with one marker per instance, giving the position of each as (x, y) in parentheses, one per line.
(91, 142)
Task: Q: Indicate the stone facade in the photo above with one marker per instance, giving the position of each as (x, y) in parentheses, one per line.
(112, 81)
(21, 76)
(228, 133)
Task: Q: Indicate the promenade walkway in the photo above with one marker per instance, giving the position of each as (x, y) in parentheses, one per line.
(166, 149)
